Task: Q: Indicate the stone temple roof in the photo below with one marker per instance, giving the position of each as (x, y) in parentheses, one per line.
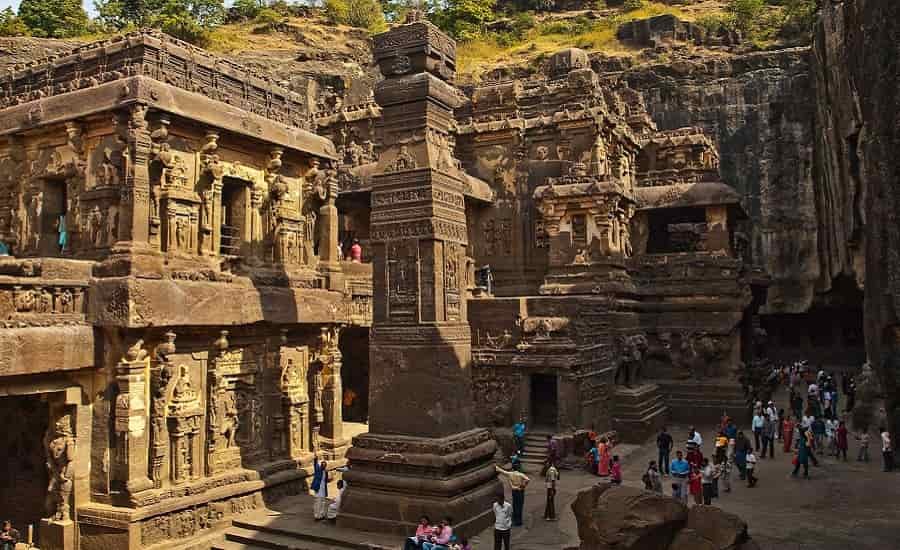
(136, 58)
(705, 193)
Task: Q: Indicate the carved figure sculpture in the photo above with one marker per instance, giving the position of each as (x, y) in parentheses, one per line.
(403, 161)
(60, 446)
(633, 349)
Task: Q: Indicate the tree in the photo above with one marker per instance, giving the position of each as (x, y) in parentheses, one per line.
(365, 14)
(54, 18)
(745, 13)
(465, 19)
(245, 10)
(799, 19)
(11, 25)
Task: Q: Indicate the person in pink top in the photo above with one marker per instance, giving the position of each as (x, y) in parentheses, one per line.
(441, 538)
(424, 531)
(615, 471)
(356, 252)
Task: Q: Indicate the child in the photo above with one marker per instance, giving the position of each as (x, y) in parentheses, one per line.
(461, 544)
(615, 472)
(863, 438)
(751, 469)
(696, 486)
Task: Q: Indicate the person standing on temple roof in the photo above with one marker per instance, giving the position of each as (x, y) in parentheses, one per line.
(319, 486)
(517, 484)
(356, 252)
(519, 434)
(503, 513)
(664, 444)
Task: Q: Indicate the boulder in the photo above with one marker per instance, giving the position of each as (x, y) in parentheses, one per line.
(627, 518)
(722, 529)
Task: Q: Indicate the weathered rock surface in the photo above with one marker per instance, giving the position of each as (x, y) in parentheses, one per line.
(619, 517)
(758, 106)
(856, 70)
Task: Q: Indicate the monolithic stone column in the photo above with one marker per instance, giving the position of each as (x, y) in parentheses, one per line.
(331, 431)
(424, 454)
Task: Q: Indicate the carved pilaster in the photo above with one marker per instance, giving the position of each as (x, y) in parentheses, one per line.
(294, 389)
(160, 390)
(131, 414)
(134, 221)
(185, 418)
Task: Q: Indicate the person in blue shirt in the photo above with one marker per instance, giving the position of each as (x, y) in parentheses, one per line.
(680, 470)
(519, 435)
(319, 486)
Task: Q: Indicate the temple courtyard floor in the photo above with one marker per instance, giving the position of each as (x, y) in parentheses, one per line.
(843, 505)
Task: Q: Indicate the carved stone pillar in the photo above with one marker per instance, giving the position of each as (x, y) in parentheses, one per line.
(134, 217)
(185, 417)
(424, 453)
(159, 433)
(331, 431)
(131, 415)
(295, 395)
(222, 422)
(328, 234)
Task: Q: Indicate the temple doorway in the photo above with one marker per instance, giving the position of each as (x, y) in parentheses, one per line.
(23, 470)
(354, 346)
(53, 212)
(234, 208)
(544, 406)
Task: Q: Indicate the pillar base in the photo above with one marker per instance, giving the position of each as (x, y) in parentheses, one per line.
(57, 535)
(394, 480)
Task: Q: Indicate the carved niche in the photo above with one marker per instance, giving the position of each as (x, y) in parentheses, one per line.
(185, 416)
(295, 364)
(403, 275)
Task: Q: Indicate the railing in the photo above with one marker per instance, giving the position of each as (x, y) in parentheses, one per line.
(230, 244)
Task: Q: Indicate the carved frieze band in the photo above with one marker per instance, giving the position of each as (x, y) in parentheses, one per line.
(439, 229)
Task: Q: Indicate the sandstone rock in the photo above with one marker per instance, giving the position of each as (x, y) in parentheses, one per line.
(721, 529)
(626, 518)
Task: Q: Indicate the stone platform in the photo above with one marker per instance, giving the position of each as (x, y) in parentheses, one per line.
(638, 412)
(704, 401)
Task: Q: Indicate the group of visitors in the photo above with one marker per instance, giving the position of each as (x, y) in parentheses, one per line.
(435, 537)
(354, 253)
(323, 507)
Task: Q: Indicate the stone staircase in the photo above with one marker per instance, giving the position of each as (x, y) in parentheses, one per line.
(638, 412)
(703, 402)
(535, 450)
(285, 534)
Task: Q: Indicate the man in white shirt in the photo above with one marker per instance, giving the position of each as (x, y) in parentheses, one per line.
(696, 437)
(751, 469)
(502, 522)
(887, 450)
(552, 478)
(334, 507)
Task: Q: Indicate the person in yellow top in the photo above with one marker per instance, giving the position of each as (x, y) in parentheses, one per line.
(517, 483)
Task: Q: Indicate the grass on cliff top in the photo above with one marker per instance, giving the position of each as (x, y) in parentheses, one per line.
(287, 34)
(551, 35)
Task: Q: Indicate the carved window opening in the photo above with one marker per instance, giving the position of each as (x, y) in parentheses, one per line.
(676, 230)
(54, 230)
(235, 202)
(579, 230)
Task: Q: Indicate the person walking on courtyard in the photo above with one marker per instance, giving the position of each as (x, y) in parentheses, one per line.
(664, 444)
(810, 445)
(802, 458)
(887, 450)
(695, 437)
(519, 434)
(818, 430)
(517, 483)
(787, 433)
(741, 446)
(751, 469)
(552, 478)
(9, 537)
(615, 471)
(680, 471)
(768, 437)
(707, 478)
(757, 425)
(424, 530)
(503, 513)
(840, 438)
(319, 486)
(593, 458)
(863, 438)
(552, 454)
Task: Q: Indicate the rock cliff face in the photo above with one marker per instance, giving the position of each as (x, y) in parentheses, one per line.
(759, 107)
(857, 68)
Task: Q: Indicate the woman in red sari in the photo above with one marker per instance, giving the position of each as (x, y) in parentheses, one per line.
(603, 452)
(787, 431)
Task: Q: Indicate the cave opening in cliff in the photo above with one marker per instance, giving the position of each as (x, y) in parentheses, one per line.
(830, 334)
(23, 471)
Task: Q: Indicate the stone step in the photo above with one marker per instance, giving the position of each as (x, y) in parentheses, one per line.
(229, 545)
(275, 538)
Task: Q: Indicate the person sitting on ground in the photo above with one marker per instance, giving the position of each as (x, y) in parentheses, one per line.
(652, 479)
(615, 471)
(334, 508)
(9, 537)
(424, 530)
(440, 540)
